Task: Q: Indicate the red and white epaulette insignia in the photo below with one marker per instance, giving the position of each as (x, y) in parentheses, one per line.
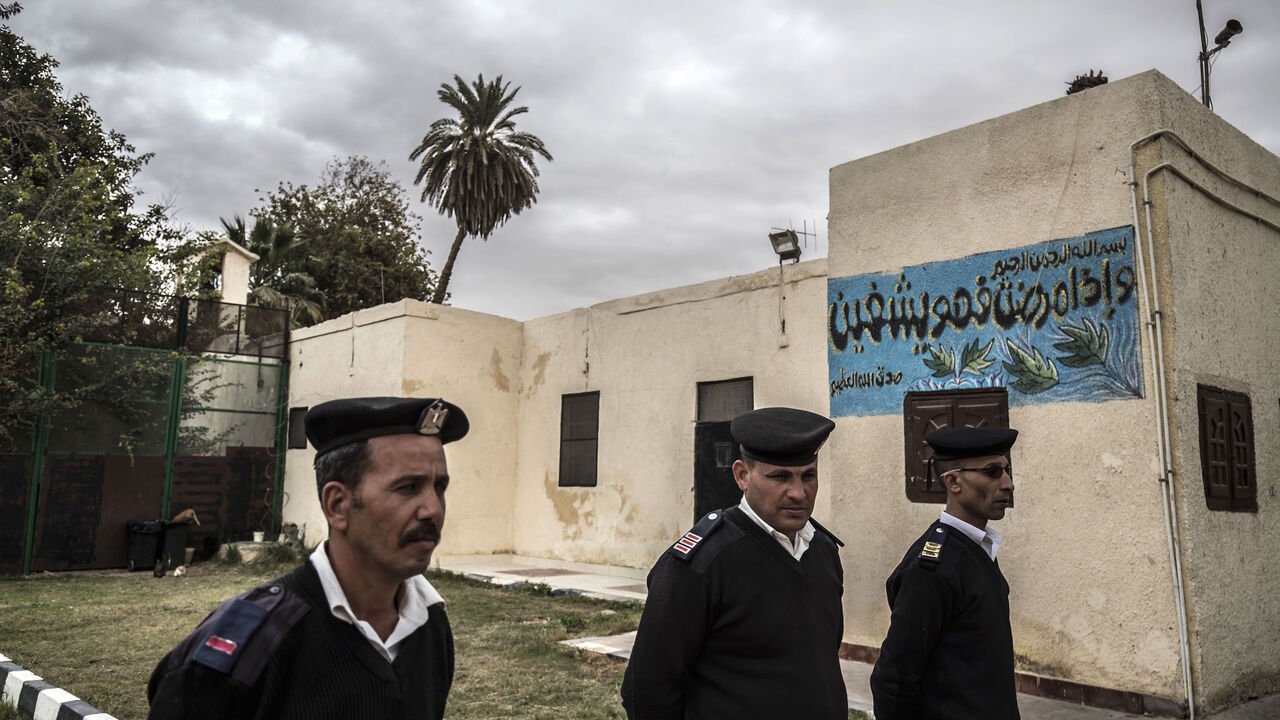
(222, 645)
(686, 544)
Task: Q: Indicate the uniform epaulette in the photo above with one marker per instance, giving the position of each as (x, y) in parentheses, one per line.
(931, 552)
(234, 625)
(686, 545)
(828, 533)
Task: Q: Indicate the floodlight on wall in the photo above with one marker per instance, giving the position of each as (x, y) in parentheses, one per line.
(786, 244)
(1221, 40)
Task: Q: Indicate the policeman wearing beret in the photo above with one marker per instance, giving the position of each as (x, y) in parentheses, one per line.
(949, 651)
(743, 618)
(356, 631)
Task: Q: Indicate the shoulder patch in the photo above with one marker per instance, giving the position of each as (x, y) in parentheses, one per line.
(931, 551)
(688, 544)
(232, 628)
(229, 634)
(828, 533)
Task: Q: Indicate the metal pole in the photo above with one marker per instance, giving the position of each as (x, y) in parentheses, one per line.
(1204, 59)
(39, 446)
(177, 382)
(282, 413)
(282, 432)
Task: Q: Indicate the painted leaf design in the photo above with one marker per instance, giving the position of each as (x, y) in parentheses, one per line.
(974, 359)
(1034, 372)
(1087, 345)
(941, 361)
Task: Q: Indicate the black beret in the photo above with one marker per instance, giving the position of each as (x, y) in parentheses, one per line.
(330, 425)
(955, 443)
(781, 436)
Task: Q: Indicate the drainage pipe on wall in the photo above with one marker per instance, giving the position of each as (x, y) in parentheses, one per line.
(1155, 337)
(1168, 502)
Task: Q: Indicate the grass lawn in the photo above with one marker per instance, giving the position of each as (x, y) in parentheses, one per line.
(100, 634)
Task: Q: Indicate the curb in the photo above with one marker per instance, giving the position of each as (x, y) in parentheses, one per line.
(556, 590)
(39, 700)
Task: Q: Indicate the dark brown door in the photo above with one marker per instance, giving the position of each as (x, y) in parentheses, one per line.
(713, 448)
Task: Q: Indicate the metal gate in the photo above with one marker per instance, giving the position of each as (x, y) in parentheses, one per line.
(175, 404)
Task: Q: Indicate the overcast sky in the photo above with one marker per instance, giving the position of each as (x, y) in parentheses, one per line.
(681, 130)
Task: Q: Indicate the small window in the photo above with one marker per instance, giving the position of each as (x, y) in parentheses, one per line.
(1226, 450)
(924, 412)
(579, 429)
(724, 454)
(297, 428)
(724, 399)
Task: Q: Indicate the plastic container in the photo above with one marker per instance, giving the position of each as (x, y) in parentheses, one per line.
(173, 549)
(144, 543)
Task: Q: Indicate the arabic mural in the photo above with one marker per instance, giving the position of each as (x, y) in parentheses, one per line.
(1052, 322)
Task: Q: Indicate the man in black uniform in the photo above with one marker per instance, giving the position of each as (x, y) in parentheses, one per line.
(949, 651)
(356, 631)
(743, 618)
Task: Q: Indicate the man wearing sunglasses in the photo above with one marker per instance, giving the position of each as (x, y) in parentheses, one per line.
(949, 651)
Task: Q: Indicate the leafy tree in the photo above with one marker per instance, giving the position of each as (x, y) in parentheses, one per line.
(477, 168)
(68, 228)
(275, 280)
(361, 240)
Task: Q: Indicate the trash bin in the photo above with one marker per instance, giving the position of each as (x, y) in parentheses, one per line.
(144, 543)
(173, 549)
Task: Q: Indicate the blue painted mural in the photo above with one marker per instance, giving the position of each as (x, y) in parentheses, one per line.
(1052, 322)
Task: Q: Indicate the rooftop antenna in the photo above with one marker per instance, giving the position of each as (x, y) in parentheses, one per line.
(1221, 40)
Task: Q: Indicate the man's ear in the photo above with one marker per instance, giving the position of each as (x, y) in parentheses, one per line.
(950, 480)
(335, 501)
(740, 471)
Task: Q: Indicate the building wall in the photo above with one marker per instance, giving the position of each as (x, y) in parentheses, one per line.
(359, 354)
(1217, 286)
(413, 349)
(1085, 555)
(471, 359)
(235, 272)
(645, 355)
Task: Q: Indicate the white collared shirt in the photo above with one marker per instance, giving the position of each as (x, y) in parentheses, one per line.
(416, 596)
(988, 539)
(795, 549)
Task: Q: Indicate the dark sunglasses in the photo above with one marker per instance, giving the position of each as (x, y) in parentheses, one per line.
(993, 471)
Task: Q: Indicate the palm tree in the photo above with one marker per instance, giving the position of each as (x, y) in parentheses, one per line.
(477, 168)
(274, 280)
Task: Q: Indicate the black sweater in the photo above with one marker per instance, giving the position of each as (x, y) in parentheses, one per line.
(949, 651)
(738, 628)
(277, 652)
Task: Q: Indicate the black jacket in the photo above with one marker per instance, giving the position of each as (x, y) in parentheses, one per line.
(277, 652)
(949, 651)
(738, 628)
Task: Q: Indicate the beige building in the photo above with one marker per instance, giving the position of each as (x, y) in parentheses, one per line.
(1094, 271)
(645, 357)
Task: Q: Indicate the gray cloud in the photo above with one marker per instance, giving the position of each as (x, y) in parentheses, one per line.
(681, 131)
